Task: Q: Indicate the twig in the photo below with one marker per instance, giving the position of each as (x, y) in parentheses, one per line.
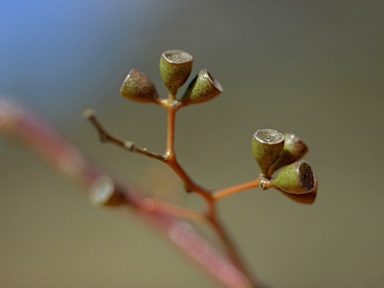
(170, 159)
(107, 137)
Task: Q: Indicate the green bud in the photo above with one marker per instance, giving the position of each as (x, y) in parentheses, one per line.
(267, 145)
(296, 178)
(307, 198)
(294, 149)
(175, 67)
(138, 87)
(201, 89)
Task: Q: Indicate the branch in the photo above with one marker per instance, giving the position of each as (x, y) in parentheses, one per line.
(17, 122)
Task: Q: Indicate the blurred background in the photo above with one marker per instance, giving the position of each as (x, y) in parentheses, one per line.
(312, 68)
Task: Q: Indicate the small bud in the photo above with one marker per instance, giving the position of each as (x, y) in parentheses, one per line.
(307, 198)
(267, 145)
(103, 193)
(296, 178)
(138, 87)
(175, 67)
(201, 89)
(294, 149)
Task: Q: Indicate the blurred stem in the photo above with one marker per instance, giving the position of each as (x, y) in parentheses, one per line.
(232, 251)
(167, 218)
(173, 210)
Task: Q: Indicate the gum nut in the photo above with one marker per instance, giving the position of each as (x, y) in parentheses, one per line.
(202, 88)
(308, 198)
(175, 67)
(267, 145)
(294, 149)
(138, 87)
(296, 178)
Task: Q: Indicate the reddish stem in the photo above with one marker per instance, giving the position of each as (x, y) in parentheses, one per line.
(16, 121)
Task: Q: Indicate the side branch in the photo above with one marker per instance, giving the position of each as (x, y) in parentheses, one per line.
(220, 194)
(106, 137)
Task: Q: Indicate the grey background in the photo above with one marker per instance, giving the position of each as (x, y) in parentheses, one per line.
(314, 68)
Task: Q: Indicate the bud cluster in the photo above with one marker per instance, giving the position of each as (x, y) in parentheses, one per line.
(175, 68)
(273, 150)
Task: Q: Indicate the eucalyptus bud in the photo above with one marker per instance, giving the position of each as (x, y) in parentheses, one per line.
(294, 149)
(202, 88)
(307, 198)
(175, 67)
(138, 87)
(267, 145)
(296, 178)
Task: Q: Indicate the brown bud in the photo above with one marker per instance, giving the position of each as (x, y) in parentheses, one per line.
(294, 149)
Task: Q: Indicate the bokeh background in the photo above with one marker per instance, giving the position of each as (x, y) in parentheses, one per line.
(314, 68)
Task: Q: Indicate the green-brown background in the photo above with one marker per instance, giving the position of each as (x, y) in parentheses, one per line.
(314, 68)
